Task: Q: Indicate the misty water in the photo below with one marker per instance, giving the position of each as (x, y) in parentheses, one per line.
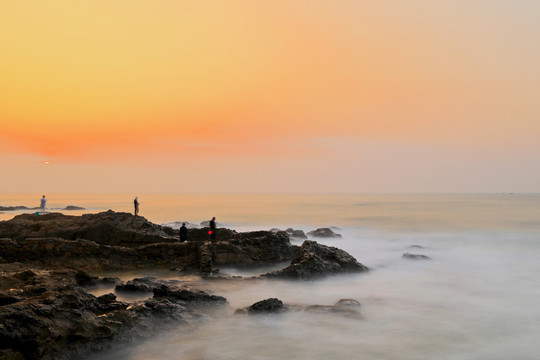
(475, 299)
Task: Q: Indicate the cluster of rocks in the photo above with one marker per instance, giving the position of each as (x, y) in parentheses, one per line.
(46, 312)
(299, 234)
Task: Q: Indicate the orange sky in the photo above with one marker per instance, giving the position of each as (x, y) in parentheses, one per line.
(254, 89)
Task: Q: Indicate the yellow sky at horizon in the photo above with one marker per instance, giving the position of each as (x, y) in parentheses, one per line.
(128, 82)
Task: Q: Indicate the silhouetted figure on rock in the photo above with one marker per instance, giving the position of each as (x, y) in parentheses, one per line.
(212, 231)
(183, 233)
(136, 204)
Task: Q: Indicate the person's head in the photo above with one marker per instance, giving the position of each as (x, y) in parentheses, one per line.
(183, 224)
(214, 218)
(44, 196)
(136, 198)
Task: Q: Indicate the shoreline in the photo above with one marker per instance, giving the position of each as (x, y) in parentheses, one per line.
(44, 257)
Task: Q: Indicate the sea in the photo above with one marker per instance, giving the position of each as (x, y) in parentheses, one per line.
(476, 298)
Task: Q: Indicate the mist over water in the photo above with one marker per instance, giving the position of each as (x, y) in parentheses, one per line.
(476, 299)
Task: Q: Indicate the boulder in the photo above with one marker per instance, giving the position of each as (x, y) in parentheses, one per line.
(299, 234)
(315, 261)
(267, 306)
(324, 233)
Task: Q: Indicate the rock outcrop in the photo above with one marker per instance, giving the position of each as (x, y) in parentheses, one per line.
(254, 248)
(297, 234)
(48, 315)
(106, 228)
(324, 233)
(314, 261)
(349, 307)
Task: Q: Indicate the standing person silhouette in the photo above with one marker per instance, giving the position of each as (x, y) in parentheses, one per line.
(43, 204)
(136, 203)
(183, 233)
(213, 229)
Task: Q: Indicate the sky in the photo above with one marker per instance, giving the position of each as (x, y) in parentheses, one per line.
(342, 96)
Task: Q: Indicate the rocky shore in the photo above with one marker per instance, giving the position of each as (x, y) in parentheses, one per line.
(46, 261)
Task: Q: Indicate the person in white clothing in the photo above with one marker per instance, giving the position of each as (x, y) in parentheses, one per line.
(43, 204)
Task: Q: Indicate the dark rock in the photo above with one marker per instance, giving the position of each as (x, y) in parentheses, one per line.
(25, 275)
(65, 322)
(106, 228)
(7, 298)
(323, 232)
(299, 234)
(415, 256)
(107, 298)
(73, 207)
(315, 261)
(13, 208)
(254, 248)
(348, 307)
(188, 296)
(146, 284)
(85, 279)
(271, 305)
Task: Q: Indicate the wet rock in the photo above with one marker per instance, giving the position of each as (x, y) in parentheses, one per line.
(415, 256)
(267, 306)
(184, 296)
(348, 307)
(146, 284)
(324, 232)
(316, 261)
